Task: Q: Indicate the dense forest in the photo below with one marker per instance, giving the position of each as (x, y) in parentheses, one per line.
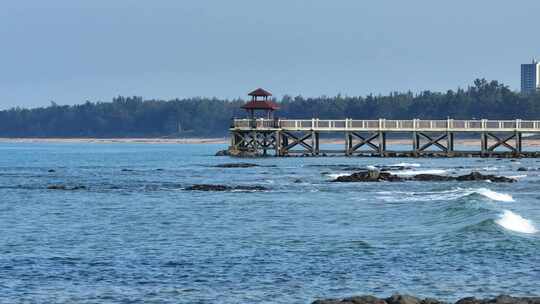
(135, 117)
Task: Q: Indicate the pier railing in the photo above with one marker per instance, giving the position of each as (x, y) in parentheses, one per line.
(389, 125)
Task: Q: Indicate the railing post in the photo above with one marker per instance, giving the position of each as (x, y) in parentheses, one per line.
(484, 124)
(518, 124)
(312, 123)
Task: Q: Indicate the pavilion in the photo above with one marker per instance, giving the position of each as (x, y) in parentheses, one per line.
(260, 102)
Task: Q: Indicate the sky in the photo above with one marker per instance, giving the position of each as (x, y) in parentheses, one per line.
(70, 51)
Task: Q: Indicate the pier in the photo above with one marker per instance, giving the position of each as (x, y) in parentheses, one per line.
(284, 137)
(267, 135)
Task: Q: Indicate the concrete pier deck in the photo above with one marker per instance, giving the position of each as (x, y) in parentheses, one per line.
(283, 137)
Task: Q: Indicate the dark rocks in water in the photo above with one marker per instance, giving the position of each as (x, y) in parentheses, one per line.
(377, 176)
(242, 154)
(64, 187)
(522, 169)
(406, 299)
(222, 153)
(502, 299)
(402, 299)
(159, 169)
(432, 177)
(368, 176)
(297, 181)
(51, 170)
(236, 165)
(56, 187)
(210, 187)
(127, 170)
(477, 176)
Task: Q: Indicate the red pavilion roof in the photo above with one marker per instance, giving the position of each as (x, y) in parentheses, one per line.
(260, 92)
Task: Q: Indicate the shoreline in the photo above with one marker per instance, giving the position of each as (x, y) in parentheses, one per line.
(211, 140)
(130, 140)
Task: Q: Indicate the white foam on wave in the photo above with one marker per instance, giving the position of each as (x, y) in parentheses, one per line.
(336, 175)
(415, 172)
(517, 176)
(411, 165)
(446, 195)
(515, 222)
(495, 196)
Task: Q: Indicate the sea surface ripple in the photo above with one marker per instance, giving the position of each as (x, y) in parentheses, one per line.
(134, 235)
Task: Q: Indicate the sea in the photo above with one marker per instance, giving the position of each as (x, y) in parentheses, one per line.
(125, 230)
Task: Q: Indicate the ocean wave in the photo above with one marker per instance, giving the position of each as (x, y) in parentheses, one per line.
(515, 222)
(446, 195)
(416, 172)
(336, 175)
(517, 176)
(493, 195)
(410, 165)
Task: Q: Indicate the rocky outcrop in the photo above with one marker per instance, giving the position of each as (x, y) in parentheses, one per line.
(236, 165)
(378, 176)
(222, 153)
(477, 176)
(238, 153)
(406, 299)
(64, 187)
(210, 187)
(369, 176)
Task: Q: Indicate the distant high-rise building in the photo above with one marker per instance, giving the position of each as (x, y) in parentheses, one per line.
(530, 77)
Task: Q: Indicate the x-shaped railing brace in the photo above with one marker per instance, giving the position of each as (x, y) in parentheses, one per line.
(364, 141)
(432, 142)
(298, 141)
(500, 142)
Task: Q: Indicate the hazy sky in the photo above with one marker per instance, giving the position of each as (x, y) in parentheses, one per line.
(70, 51)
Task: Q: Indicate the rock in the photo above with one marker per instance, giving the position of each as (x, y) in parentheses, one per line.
(402, 299)
(432, 177)
(236, 165)
(56, 187)
(297, 181)
(353, 300)
(127, 170)
(368, 176)
(51, 170)
(522, 169)
(377, 176)
(243, 154)
(63, 187)
(477, 176)
(222, 153)
(210, 187)
(405, 299)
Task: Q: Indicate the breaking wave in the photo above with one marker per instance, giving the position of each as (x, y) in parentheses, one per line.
(515, 222)
(415, 172)
(447, 195)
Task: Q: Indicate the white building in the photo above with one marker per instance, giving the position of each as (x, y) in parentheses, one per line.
(530, 77)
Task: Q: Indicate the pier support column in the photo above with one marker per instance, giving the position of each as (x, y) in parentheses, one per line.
(313, 144)
(518, 142)
(450, 143)
(415, 144)
(382, 143)
(348, 144)
(483, 144)
(317, 143)
(278, 146)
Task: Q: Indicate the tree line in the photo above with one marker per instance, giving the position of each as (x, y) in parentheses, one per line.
(193, 117)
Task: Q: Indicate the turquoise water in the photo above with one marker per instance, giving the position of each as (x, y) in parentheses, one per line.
(135, 236)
